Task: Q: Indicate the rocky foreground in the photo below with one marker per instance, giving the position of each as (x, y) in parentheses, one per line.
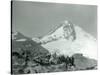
(30, 57)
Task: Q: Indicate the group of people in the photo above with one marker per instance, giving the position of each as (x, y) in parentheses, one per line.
(70, 61)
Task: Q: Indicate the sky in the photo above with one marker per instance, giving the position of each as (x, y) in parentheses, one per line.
(34, 19)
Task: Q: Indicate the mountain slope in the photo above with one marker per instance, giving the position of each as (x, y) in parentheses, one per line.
(28, 45)
(83, 63)
(26, 51)
(69, 39)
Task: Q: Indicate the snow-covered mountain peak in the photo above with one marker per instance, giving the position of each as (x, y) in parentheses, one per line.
(68, 39)
(64, 31)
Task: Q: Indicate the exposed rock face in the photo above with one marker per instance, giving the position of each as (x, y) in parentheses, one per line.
(69, 31)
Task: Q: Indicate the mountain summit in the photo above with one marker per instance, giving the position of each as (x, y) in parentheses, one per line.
(65, 30)
(68, 39)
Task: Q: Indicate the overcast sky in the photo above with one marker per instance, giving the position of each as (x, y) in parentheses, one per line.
(37, 18)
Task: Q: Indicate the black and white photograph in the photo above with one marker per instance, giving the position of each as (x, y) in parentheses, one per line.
(53, 37)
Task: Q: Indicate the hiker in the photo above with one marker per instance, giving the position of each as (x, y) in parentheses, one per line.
(72, 61)
(67, 62)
